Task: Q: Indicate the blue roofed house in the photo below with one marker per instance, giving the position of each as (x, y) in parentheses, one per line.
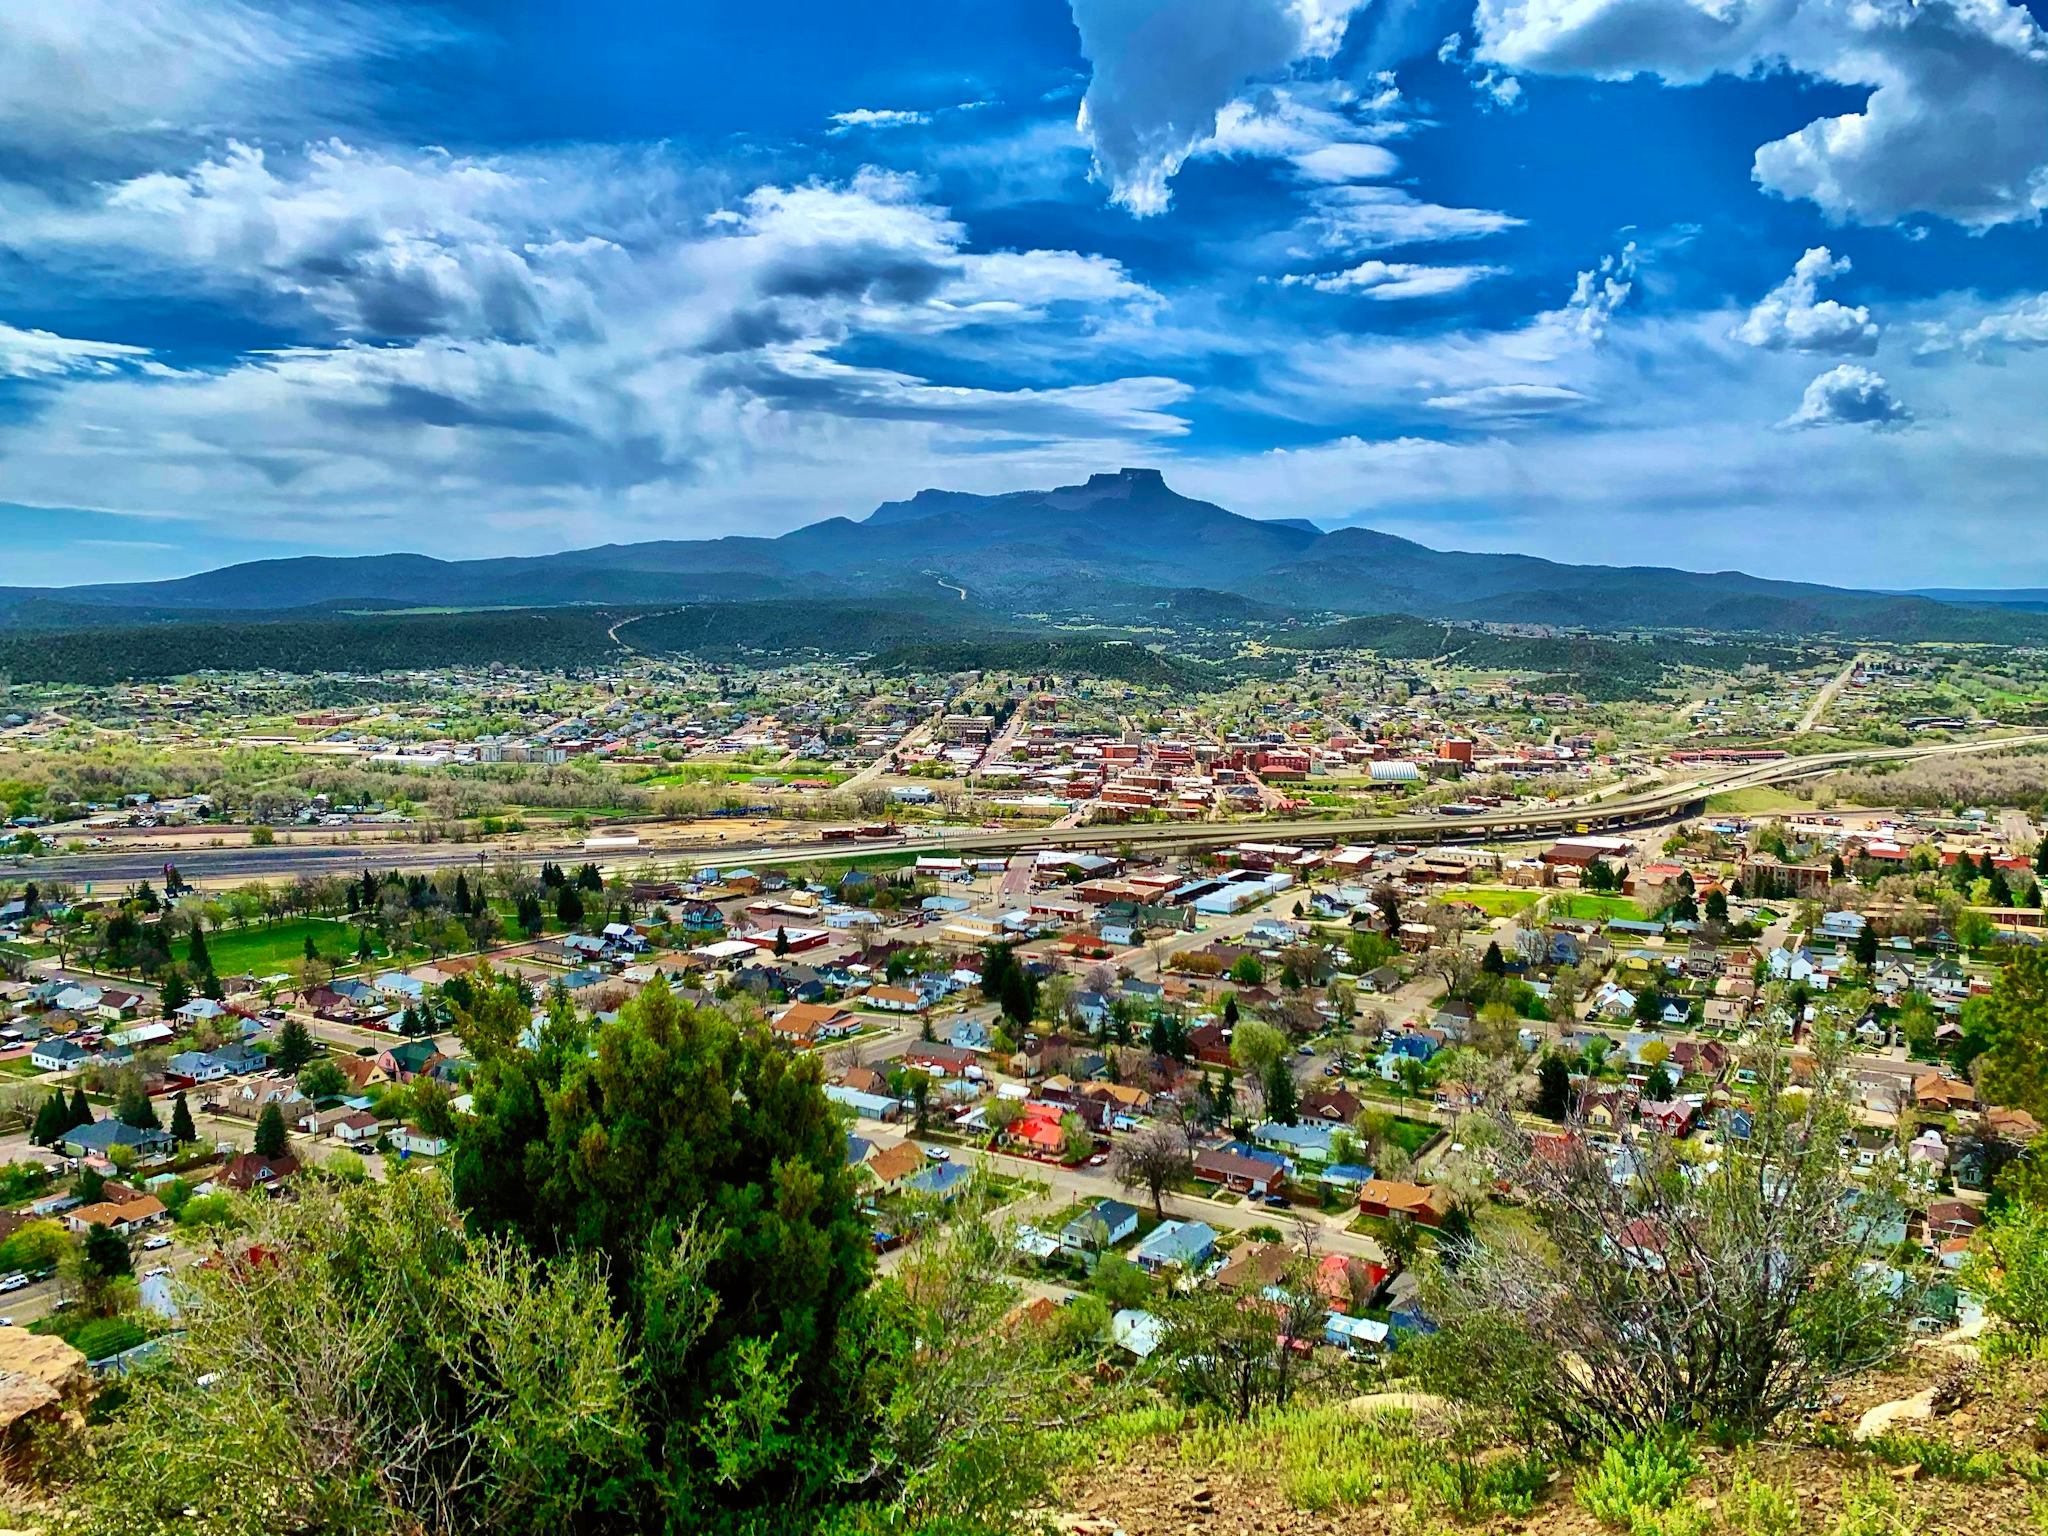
(1107, 1224)
(199, 1066)
(103, 1135)
(1307, 1142)
(58, 1056)
(944, 1180)
(1345, 1177)
(405, 988)
(1181, 1244)
(971, 1035)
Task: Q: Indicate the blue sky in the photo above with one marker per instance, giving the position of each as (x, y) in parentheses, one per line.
(1754, 284)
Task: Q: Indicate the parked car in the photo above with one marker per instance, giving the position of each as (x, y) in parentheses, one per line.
(1277, 1202)
(156, 1244)
(14, 1282)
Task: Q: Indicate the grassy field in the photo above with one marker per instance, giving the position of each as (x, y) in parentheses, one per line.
(744, 773)
(267, 949)
(1584, 905)
(1495, 900)
(1756, 801)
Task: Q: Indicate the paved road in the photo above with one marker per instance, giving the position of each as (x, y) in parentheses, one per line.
(1826, 696)
(1663, 803)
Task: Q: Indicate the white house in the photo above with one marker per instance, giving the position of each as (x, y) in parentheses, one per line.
(57, 1056)
(419, 1143)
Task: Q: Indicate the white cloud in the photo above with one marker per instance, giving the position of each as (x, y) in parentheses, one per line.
(1327, 131)
(1675, 462)
(1388, 280)
(1559, 359)
(1956, 123)
(1164, 70)
(1597, 294)
(2023, 326)
(1793, 316)
(665, 349)
(868, 117)
(1371, 217)
(373, 243)
(45, 355)
(90, 73)
(1848, 395)
(1495, 88)
(1510, 400)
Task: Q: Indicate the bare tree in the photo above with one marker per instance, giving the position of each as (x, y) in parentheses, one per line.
(1236, 1351)
(1156, 1159)
(1660, 1291)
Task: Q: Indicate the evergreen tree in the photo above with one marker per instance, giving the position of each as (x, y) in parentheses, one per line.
(52, 1120)
(1283, 1098)
(1020, 994)
(1230, 1014)
(271, 1139)
(106, 1251)
(996, 962)
(1717, 907)
(589, 879)
(136, 1110)
(568, 906)
(363, 948)
(1866, 946)
(1553, 1088)
(312, 949)
(209, 986)
(183, 1132)
(294, 1046)
(81, 1112)
(195, 955)
(1493, 963)
(176, 991)
(462, 895)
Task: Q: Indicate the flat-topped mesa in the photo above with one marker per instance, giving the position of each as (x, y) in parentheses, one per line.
(1128, 479)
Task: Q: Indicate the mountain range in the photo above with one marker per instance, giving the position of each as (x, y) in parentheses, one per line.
(1115, 548)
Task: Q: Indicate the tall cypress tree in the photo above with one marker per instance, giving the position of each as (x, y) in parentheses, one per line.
(182, 1129)
(196, 956)
(52, 1120)
(81, 1112)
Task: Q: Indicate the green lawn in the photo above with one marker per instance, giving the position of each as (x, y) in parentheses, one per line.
(266, 949)
(1410, 1135)
(1582, 904)
(1494, 900)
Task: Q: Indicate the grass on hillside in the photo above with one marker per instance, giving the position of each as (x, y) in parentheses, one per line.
(267, 948)
(1758, 800)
